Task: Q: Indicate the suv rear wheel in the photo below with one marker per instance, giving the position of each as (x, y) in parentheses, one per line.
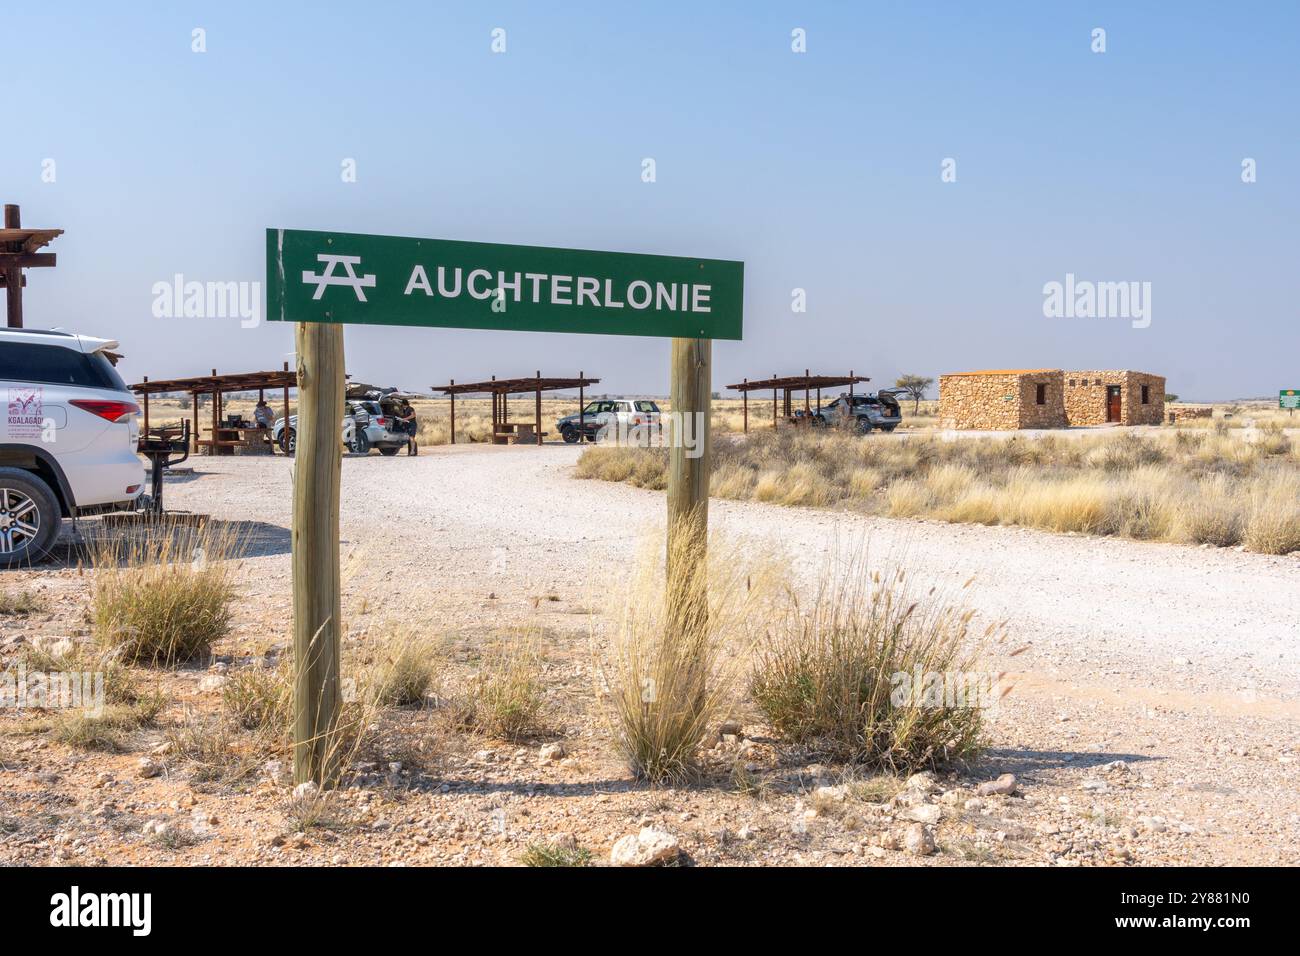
(569, 434)
(29, 517)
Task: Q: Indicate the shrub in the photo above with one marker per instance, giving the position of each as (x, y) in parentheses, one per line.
(830, 677)
(163, 600)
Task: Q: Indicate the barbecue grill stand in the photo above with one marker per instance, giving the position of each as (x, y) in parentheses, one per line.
(159, 451)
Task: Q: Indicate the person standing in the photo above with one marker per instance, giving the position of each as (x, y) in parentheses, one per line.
(406, 415)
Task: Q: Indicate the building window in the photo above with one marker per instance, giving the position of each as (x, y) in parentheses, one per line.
(1041, 396)
(1146, 394)
(1071, 383)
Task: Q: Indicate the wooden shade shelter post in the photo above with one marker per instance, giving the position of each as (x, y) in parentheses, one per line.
(539, 406)
(453, 414)
(581, 410)
(18, 251)
(744, 401)
(500, 390)
(286, 395)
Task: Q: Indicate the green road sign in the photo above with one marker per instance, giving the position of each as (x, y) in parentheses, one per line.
(1288, 398)
(386, 280)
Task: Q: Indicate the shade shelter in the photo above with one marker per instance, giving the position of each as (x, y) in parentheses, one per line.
(19, 250)
(788, 385)
(503, 430)
(230, 437)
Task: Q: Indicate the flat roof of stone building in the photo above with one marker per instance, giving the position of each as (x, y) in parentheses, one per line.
(1005, 371)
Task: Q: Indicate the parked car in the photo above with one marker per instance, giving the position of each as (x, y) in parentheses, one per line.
(69, 441)
(863, 412)
(368, 422)
(289, 443)
(376, 427)
(600, 418)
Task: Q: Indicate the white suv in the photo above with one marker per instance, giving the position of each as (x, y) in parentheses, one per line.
(68, 440)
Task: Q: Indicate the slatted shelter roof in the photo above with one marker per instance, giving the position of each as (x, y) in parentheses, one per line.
(799, 382)
(508, 386)
(234, 382)
(27, 241)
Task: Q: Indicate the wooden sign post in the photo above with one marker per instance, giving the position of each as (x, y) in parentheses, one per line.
(324, 280)
(316, 587)
(688, 468)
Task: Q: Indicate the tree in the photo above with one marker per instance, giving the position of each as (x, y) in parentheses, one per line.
(1170, 397)
(914, 386)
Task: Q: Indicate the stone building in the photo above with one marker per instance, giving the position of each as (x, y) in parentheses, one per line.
(1003, 399)
(1115, 396)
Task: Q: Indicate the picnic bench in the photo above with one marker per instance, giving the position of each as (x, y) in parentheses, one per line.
(515, 433)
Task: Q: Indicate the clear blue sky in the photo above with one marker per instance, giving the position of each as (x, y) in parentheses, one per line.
(820, 170)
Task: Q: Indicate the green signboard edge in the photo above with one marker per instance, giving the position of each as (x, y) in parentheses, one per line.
(276, 286)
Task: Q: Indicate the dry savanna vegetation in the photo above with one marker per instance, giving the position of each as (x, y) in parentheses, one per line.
(669, 681)
(1221, 486)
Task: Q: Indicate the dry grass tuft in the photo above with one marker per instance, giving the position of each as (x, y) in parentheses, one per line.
(562, 852)
(1273, 525)
(164, 599)
(506, 697)
(399, 666)
(259, 698)
(828, 676)
(676, 655)
(20, 603)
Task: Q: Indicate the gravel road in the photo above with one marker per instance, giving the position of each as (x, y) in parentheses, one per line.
(1153, 719)
(478, 518)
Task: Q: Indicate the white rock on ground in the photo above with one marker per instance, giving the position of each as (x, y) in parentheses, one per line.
(650, 847)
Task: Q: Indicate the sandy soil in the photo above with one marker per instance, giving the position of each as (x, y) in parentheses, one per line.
(1154, 717)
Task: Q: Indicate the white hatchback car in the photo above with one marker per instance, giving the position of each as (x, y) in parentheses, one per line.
(68, 441)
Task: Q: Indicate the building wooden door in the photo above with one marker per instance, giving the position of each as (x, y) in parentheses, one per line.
(1112, 403)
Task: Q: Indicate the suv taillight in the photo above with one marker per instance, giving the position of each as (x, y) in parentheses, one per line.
(110, 411)
(381, 421)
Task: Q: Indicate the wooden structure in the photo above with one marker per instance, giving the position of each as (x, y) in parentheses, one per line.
(226, 438)
(504, 431)
(807, 383)
(19, 250)
(317, 600)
